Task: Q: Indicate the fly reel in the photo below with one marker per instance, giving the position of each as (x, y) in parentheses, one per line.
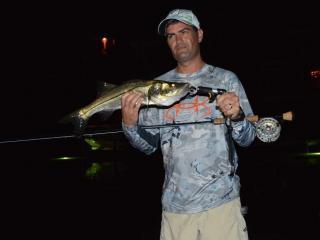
(268, 129)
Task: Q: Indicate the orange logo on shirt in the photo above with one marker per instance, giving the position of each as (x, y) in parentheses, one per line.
(172, 113)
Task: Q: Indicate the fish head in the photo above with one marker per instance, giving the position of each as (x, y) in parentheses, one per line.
(162, 93)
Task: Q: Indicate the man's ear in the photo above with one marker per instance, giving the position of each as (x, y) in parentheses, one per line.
(200, 35)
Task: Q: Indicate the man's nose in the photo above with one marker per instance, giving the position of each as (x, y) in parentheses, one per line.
(179, 37)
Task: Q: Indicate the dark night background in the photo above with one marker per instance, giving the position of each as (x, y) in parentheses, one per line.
(52, 63)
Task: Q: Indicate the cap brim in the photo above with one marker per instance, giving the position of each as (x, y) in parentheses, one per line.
(162, 26)
(163, 23)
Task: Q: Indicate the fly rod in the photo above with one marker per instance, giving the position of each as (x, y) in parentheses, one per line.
(265, 126)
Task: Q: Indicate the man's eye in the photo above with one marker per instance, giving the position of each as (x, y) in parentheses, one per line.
(169, 36)
(184, 31)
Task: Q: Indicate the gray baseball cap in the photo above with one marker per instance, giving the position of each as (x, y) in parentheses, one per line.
(182, 15)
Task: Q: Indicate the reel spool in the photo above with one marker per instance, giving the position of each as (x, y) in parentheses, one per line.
(268, 129)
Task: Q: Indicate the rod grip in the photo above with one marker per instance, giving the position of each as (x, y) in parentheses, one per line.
(253, 118)
(287, 116)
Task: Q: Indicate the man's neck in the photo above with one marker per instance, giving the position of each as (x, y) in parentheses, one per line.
(190, 67)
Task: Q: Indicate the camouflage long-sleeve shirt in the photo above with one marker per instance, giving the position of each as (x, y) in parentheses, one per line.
(195, 156)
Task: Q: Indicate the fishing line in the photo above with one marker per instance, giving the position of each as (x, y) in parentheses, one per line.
(62, 137)
(268, 128)
(110, 132)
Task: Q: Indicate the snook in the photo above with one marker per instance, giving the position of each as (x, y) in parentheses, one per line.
(157, 93)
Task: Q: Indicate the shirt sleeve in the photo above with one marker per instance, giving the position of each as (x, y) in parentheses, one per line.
(244, 132)
(145, 140)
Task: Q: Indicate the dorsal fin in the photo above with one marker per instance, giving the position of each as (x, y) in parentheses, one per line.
(104, 87)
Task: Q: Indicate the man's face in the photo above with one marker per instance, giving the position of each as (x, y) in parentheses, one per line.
(183, 41)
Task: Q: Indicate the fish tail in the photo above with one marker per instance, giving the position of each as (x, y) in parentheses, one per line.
(78, 122)
(79, 125)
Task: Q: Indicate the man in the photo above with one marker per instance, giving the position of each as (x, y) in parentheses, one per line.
(201, 189)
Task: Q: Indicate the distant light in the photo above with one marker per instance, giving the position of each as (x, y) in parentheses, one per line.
(65, 158)
(104, 41)
(315, 77)
(93, 170)
(312, 158)
(315, 74)
(92, 143)
(312, 154)
(106, 44)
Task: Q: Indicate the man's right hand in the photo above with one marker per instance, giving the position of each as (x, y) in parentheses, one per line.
(130, 105)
